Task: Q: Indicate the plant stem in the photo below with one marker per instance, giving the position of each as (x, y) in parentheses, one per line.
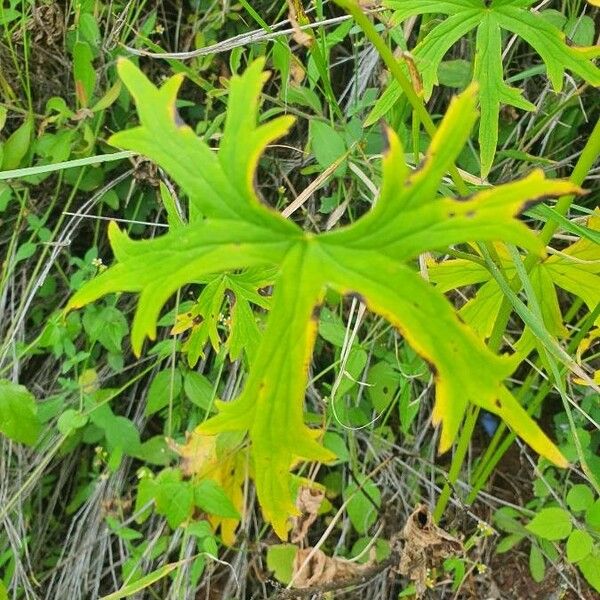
(352, 7)
(584, 163)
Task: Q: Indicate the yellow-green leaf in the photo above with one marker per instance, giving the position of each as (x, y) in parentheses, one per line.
(372, 257)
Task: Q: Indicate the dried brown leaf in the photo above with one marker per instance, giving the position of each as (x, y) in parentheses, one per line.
(322, 569)
(425, 545)
(308, 502)
(297, 17)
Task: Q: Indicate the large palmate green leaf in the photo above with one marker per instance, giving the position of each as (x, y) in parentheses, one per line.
(488, 18)
(271, 405)
(372, 258)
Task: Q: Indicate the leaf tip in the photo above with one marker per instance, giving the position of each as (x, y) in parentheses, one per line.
(562, 462)
(137, 342)
(113, 230)
(445, 442)
(259, 64)
(115, 140)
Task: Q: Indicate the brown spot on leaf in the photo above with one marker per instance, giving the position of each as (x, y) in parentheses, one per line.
(533, 201)
(316, 312)
(432, 367)
(498, 403)
(530, 203)
(385, 134)
(465, 198)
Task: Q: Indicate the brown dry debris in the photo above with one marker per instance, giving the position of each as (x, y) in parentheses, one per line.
(425, 545)
(297, 17)
(145, 171)
(308, 503)
(419, 547)
(47, 25)
(322, 570)
(369, 4)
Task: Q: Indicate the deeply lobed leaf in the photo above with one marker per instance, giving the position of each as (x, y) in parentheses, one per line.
(488, 19)
(369, 257)
(271, 405)
(158, 268)
(222, 187)
(430, 325)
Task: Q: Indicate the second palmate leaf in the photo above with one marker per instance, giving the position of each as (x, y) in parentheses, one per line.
(489, 18)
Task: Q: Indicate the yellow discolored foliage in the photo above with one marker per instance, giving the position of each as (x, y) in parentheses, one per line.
(202, 458)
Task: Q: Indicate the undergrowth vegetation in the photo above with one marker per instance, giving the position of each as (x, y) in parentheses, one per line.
(299, 300)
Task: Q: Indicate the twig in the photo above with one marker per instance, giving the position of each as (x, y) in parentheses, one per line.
(258, 35)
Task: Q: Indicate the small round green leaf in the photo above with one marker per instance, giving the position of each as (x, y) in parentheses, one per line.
(174, 497)
(590, 567)
(592, 515)
(198, 389)
(280, 560)
(537, 566)
(551, 524)
(508, 543)
(122, 433)
(327, 145)
(211, 498)
(18, 413)
(362, 504)
(383, 382)
(155, 451)
(382, 549)
(580, 497)
(335, 442)
(165, 386)
(70, 421)
(579, 545)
